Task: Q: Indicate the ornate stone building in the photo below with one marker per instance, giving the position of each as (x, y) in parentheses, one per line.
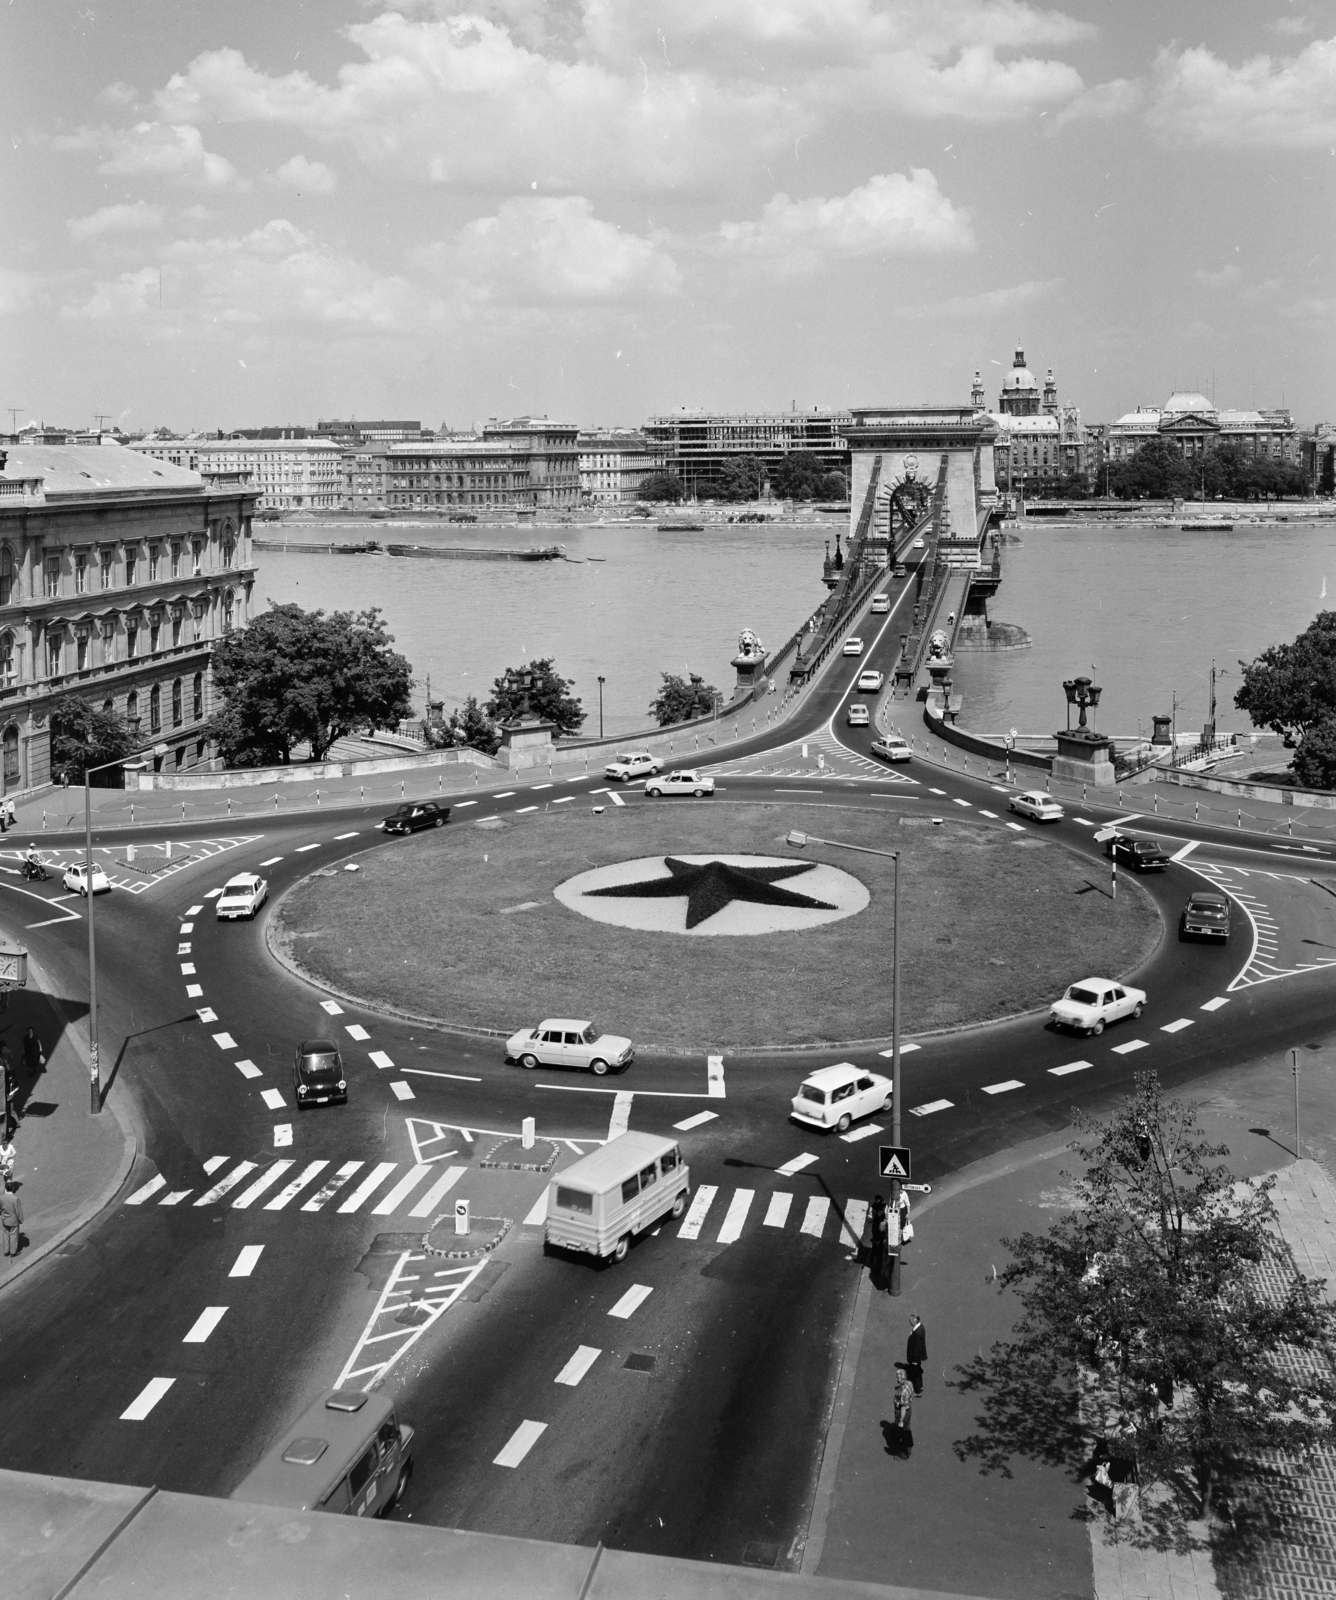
(1195, 425)
(1038, 439)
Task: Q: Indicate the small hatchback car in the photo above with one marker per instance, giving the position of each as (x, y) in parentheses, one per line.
(853, 646)
(76, 881)
(833, 1097)
(417, 814)
(317, 1073)
(871, 680)
(1206, 916)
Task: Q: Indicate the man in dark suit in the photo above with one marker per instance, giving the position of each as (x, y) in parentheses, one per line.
(916, 1352)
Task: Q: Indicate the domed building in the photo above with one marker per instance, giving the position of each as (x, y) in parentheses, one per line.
(1196, 425)
(1039, 441)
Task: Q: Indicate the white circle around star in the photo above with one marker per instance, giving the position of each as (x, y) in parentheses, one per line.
(700, 895)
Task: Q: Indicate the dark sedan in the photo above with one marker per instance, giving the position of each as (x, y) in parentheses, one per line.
(1206, 916)
(417, 814)
(317, 1073)
(1142, 855)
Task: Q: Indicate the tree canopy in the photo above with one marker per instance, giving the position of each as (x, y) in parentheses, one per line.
(801, 475)
(293, 676)
(680, 699)
(83, 735)
(1147, 1321)
(468, 725)
(1291, 688)
(548, 697)
(740, 478)
(1159, 470)
(660, 486)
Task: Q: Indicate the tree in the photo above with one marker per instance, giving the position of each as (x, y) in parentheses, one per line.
(1291, 688)
(292, 676)
(1314, 761)
(660, 486)
(470, 726)
(1157, 471)
(679, 700)
(740, 478)
(1147, 1321)
(83, 735)
(547, 697)
(798, 476)
(834, 486)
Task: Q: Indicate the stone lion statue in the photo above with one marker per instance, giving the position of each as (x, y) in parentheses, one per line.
(749, 645)
(937, 644)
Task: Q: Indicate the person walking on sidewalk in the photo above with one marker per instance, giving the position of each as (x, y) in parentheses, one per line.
(8, 1156)
(11, 815)
(877, 1222)
(916, 1352)
(904, 1411)
(34, 1057)
(11, 1217)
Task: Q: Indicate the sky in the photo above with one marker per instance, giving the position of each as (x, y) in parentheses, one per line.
(274, 211)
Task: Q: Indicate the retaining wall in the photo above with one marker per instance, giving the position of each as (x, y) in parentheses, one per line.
(1242, 790)
(1020, 756)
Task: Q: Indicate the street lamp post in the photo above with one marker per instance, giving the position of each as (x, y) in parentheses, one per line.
(601, 681)
(800, 840)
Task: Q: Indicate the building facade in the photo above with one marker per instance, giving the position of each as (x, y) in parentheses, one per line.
(1195, 425)
(117, 575)
(697, 445)
(526, 465)
(614, 462)
(286, 474)
(1039, 440)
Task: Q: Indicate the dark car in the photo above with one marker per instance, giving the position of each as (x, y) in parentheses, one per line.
(317, 1073)
(1206, 916)
(1142, 855)
(416, 814)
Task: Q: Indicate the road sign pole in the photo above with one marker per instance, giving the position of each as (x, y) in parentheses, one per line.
(895, 1060)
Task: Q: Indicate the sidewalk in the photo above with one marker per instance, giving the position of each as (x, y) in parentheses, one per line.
(936, 1522)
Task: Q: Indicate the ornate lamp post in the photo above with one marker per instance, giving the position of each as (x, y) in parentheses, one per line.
(601, 681)
(1083, 694)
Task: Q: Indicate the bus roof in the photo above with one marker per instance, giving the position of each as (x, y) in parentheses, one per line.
(603, 1168)
(295, 1471)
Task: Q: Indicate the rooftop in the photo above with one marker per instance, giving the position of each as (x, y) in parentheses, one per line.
(70, 470)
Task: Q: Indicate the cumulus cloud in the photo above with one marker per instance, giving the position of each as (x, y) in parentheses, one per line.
(307, 177)
(118, 299)
(891, 214)
(1289, 103)
(1221, 278)
(153, 149)
(138, 217)
(1119, 97)
(988, 302)
(19, 290)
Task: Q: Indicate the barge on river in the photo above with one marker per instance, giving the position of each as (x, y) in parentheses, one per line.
(454, 552)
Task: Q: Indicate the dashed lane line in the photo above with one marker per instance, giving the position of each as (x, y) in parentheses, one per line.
(520, 1443)
(631, 1301)
(402, 1090)
(355, 1030)
(282, 1135)
(956, 801)
(1003, 1088)
(694, 1220)
(1016, 827)
(273, 1099)
(927, 1109)
(332, 1008)
(340, 837)
(1214, 1005)
(736, 1215)
(248, 1260)
(303, 848)
(579, 1364)
(1177, 1027)
(224, 1041)
(147, 1398)
(698, 1121)
(204, 1324)
(523, 809)
(247, 1069)
(1127, 1049)
(796, 1164)
(905, 1049)
(1072, 1066)
(273, 861)
(865, 1132)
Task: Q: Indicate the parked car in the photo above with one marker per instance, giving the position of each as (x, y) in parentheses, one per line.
(75, 880)
(671, 783)
(871, 680)
(417, 814)
(1142, 855)
(1036, 804)
(1088, 1005)
(858, 716)
(564, 1042)
(1206, 916)
(630, 764)
(242, 896)
(833, 1097)
(317, 1073)
(891, 748)
(853, 645)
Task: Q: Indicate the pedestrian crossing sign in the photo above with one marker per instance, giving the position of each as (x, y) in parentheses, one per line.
(894, 1161)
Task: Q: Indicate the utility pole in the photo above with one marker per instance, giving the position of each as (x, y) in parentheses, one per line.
(14, 417)
(1294, 1067)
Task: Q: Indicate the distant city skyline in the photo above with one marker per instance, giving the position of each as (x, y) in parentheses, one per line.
(601, 210)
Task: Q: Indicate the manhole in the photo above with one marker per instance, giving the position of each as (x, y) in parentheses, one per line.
(760, 1553)
(639, 1363)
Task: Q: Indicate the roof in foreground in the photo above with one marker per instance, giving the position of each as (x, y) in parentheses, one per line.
(72, 469)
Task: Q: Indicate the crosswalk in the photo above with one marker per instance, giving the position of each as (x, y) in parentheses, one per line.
(138, 867)
(819, 755)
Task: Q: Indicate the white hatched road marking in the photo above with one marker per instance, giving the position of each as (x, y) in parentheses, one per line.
(368, 1185)
(204, 1324)
(631, 1301)
(213, 1163)
(308, 1174)
(147, 1398)
(1072, 1066)
(401, 1190)
(736, 1215)
(584, 1358)
(438, 1191)
(818, 1208)
(698, 1121)
(385, 1337)
(796, 1164)
(695, 1217)
(1177, 1027)
(229, 1182)
(777, 1212)
(520, 1443)
(149, 1189)
(175, 1198)
(333, 1186)
(267, 1179)
(247, 1261)
(929, 1107)
(1003, 1088)
(1127, 1049)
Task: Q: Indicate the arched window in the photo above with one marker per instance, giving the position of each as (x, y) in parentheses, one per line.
(198, 699)
(8, 672)
(11, 754)
(176, 703)
(155, 709)
(132, 710)
(6, 575)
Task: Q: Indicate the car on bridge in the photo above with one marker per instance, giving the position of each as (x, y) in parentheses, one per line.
(76, 881)
(891, 748)
(242, 896)
(853, 645)
(858, 716)
(317, 1074)
(1142, 855)
(1087, 1006)
(871, 680)
(1037, 805)
(918, 544)
(696, 784)
(833, 1097)
(415, 815)
(628, 764)
(1206, 916)
(565, 1042)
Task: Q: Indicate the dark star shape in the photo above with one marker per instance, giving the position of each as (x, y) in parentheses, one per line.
(710, 887)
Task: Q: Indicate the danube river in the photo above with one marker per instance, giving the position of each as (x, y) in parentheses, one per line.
(1142, 610)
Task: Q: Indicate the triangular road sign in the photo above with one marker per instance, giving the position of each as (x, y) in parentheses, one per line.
(894, 1162)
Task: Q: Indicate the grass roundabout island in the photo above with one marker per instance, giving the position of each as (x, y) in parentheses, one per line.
(463, 926)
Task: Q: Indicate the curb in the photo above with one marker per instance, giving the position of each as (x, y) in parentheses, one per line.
(505, 1225)
(815, 1542)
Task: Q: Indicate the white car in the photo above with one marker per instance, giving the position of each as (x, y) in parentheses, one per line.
(871, 680)
(630, 764)
(918, 544)
(242, 896)
(1088, 1005)
(833, 1097)
(75, 881)
(564, 1042)
(891, 748)
(693, 783)
(1036, 804)
(857, 716)
(853, 646)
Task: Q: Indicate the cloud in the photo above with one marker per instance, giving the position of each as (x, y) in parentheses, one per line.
(1310, 308)
(153, 149)
(131, 295)
(989, 302)
(307, 177)
(1221, 278)
(889, 215)
(1202, 101)
(139, 217)
(1117, 98)
(20, 290)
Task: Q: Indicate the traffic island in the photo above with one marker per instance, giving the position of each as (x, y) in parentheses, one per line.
(484, 1234)
(510, 1155)
(567, 914)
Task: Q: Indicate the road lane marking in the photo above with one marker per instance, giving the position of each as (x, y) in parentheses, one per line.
(537, 1212)
(1072, 1066)
(438, 1191)
(333, 1186)
(460, 804)
(584, 1358)
(520, 1443)
(695, 1217)
(401, 1190)
(1132, 816)
(303, 848)
(272, 861)
(736, 1215)
(698, 1121)
(1181, 855)
(1214, 1005)
(796, 1164)
(206, 1014)
(224, 1041)
(1003, 1088)
(248, 1260)
(855, 1134)
(247, 1069)
(149, 1189)
(615, 798)
(814, 1220)
(308, 1174)
(264, 1182)
(565, 800)
(402, 1090)
(957, 802)
(1127, 1049)
(535, 787)
(1019, 827)
(340, 837)
(371, 1182)
(183, 949)
(777, 1212)
(1177, 1027)
(905, 1049)
(193, 911)
(229, 1182)
(522, 809)
(620, 1119)
(213, 1163)
(631, 1301)
(282, 1135)
(927, 1109)
(355, 1030)
(194, 992)
(505, 794)
(1084, 821)
(187, 969)
(458, 1077)
(273, 1099)
(147, 1398)
(187, 927)
(854, 1221)
(992, 814)
(332, 1007)
(175, 1198)
(211, 894)
(204, 1324)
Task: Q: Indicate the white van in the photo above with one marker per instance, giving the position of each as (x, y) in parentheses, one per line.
(597, 1203)
(881, 603)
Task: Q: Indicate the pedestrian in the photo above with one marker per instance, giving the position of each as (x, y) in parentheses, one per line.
(8, 1155)
(877, 1222)
(11, 1217)
(12, 1112)
(11, 814)
(916, 1352)
(906, 1226)
(34, 1057)
(904, 1411)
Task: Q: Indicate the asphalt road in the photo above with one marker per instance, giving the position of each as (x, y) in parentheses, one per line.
(708, 1444)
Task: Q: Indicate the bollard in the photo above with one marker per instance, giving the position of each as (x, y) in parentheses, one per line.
(1155, 802)
(183, 811)
(275, 799)
(1289, 827)
(1196, 809)
(132, 813)
(317, 797)
(129, 854)
(363, 788)
(1240, 819)
(44, 819)
(527, 1131)
(401, 788)
(461, 1216)
(167, 850)
(229, 805)
(1083, 794)
(439, 786)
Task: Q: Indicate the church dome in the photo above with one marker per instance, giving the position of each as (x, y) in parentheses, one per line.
(1187, 400)
(1019, 378)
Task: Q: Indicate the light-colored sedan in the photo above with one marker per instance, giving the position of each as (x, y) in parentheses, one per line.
(242, 896)
(918, 544)
(632, 764)
(1034, 803)
(671, 783)
(565, 1042)
(834, 1097)
(871, 680)
(1088, 1005)
(858, 716)
(853, 646)
(892, 748)
(76, 881)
